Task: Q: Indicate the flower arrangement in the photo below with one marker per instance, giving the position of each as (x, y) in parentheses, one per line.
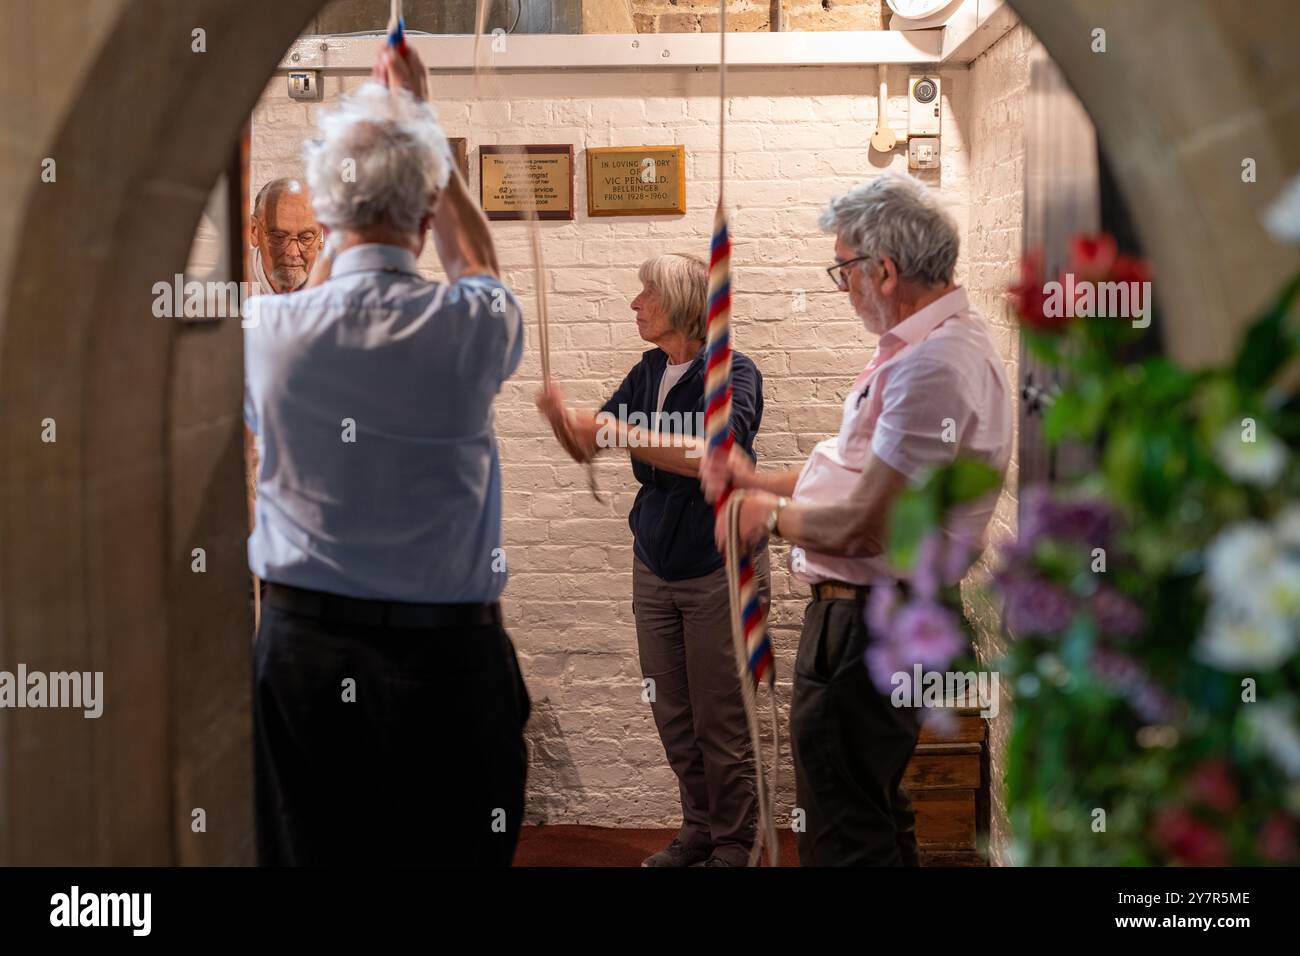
(1153, 607)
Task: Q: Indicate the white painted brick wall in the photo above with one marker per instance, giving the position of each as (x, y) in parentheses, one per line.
(999, 80)
(795, 138)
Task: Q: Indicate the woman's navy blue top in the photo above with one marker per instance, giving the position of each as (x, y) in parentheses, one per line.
(672, 524)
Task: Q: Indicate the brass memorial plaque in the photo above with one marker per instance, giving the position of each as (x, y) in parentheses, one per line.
(636, 180)
(513, 178)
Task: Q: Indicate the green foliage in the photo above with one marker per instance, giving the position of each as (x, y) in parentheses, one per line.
(1083, 740)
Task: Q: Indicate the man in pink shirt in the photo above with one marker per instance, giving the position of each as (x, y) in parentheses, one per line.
(935, 390)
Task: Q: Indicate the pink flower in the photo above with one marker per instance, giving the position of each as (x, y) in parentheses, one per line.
(1211, 783)
(1189, 840)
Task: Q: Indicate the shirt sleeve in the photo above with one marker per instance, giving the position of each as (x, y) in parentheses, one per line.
(488, 295)
(925, 415)
(746, 402)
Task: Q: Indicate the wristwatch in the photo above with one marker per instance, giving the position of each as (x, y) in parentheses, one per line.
(774, 516)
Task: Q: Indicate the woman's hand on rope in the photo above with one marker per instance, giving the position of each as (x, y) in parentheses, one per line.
(396, 71)
(550, 402)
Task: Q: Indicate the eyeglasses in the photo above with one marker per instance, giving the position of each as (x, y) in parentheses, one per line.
(839, 274)
(305, 240)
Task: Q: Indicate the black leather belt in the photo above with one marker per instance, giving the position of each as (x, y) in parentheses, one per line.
(349, 610)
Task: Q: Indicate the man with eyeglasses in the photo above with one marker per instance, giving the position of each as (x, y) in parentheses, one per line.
(285, 236)
(935, 390)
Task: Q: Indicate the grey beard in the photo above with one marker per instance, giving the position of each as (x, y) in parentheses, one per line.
(290, 278)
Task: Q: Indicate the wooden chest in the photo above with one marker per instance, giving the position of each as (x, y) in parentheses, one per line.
(948, 783)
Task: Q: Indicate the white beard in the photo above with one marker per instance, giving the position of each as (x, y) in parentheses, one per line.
(290, 278)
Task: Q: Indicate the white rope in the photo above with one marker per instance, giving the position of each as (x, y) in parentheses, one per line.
(765, 827)
(535, 244)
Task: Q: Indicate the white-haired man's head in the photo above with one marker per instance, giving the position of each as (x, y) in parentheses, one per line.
(379, 164)
(897, 245)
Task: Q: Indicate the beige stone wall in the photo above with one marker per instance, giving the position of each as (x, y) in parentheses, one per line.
(795, 138)
(999, 80)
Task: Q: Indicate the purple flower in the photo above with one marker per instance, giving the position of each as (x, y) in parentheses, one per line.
(884, 660)
(921, 632)
(1088, 521)
(958, 556)
(1116, 614)
(1035, 513)
(1126, 676)
(1035, 606)
(1116, 669)
(881, 605)
(928, 634)
(925, 569)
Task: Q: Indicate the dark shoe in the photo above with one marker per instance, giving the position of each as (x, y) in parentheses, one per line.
(717, 861)
(678, 853)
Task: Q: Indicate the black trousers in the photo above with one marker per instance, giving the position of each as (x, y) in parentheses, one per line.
(420, 761)
(851, 747)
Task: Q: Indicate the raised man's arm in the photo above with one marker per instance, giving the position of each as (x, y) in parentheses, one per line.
(460, 233)
(460, 229)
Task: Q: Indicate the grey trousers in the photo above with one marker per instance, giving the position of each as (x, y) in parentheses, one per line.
(683, 633)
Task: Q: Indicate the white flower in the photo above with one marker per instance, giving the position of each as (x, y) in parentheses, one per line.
(1271, 729)
(1237, 643)
(1258, 462)
(1282, 218)
(1235, 561)
(1279, 590)
(1286, 523)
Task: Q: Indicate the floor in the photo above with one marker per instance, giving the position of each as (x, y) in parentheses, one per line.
(571, 845)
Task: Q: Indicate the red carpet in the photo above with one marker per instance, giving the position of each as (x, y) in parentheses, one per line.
(571, 845)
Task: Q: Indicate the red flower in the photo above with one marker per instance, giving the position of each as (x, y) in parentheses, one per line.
(1028, 297)
(1211, 783)
(1092, 257)
(1277, 842)
(1190, 841)
(1130, 269)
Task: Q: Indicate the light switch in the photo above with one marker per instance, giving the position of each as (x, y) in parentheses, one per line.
(923, 152)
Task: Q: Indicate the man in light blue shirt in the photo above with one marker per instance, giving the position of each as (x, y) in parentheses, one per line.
(388, 703)
(371, 398)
